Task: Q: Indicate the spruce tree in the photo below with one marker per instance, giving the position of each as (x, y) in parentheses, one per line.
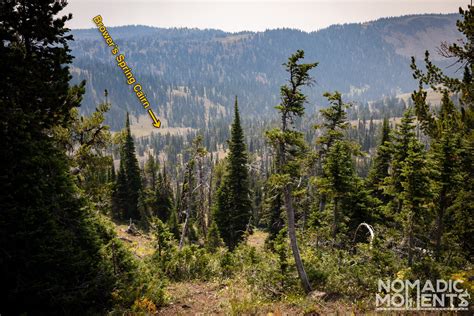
(290, 146)
(415, 193)
(334, 125)
(213, 240)
(338, 180)
(275, 220)
(173, 224)
(380, 165)
(403, 136)
(120, 195)
(452, 132)
(446, 153)
(164, 202)
(233, 206)
(409, 184)
(151, 170)
(55, 249)
(127, 192)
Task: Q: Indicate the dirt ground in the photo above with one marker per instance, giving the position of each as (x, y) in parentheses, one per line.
(194, 298)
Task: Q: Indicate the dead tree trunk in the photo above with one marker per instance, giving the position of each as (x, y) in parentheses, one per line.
(188, 206)
(202, 208)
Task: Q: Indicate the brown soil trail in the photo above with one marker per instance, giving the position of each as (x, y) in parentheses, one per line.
(194, 298)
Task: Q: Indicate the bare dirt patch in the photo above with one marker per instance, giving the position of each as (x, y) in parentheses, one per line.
(194, 298)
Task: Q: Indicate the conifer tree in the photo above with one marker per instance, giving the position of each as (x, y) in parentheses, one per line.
(233, 206)
(127, 192)
(452, 132)
(151, 170)
(164, 197)
(290, 146)
(213, 240)
(403, 136)
(380, 165)
(189, 202)
(338, 180)
(55, 249)
(85, 142)
(173, 224)
(409, 183)
(120, 195)
(275, 220)
(446, 153)
(334, 124)
(415, 193)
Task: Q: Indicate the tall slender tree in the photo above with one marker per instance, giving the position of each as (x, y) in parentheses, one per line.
(415, 193)
(334, 124)
(233, 206)
(409, 183)
(380, 165)
(126, 194)
(164, 197)
(338, 180)
(290, 146)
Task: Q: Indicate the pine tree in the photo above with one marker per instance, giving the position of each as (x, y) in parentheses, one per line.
(380, 165)
(409, 183)
(55, 249)
(403, 136)
(213, 240)
(85, 142)
(338, 180)
(233, 207)
(127, 192)
(452, 132)
(446, 154)
(173, 224)
(415, 193)
(334, 122)
(164, 197)
(151, 169)
(275, 220)
(334, 125)
(120, 195)
(290, 146)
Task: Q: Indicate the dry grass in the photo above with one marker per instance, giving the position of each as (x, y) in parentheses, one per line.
(433, 97)
(142, 127)
(141, 245)
(229, 296)
(257, 239)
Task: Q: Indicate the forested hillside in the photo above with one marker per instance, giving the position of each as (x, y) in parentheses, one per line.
(192, 75)
(257, 202)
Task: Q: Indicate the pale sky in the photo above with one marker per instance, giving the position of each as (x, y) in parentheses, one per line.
(240, 15)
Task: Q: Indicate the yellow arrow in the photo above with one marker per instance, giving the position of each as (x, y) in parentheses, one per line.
(156, 122)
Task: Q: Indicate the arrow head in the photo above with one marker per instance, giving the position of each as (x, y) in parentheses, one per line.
(157, 124)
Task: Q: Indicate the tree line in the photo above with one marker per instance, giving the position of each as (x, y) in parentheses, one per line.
(61, 191)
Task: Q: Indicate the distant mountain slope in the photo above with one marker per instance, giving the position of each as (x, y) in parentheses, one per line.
(191, 75)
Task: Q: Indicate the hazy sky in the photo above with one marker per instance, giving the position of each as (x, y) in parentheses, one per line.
(257, 15)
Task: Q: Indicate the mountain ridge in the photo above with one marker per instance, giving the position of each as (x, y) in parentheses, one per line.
(365, 61)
